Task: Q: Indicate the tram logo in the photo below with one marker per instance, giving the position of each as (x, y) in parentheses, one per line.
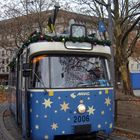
(74, 94)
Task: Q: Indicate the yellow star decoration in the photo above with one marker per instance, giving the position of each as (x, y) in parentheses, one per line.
(91, 110)
(107, 101)
(47, 103)
(54, 126)
(64, 106)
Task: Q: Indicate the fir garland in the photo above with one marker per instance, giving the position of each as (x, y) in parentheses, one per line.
(40, 37)
(37, 36)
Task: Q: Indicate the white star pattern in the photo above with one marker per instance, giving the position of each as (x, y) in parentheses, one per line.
(64, 106)
(54, 126)
(47, 103)
(31, 95)
(63, 132)
(37, 101)
(68, 119)
(110, 125)
(102, 112)
(45, 116)
(36, 126)
(59, 98)
(46, 137)
(99, 126)
(88, 98)
(91, 110)
(74, 112)
(105, 122)
(55, 111)
(37, 116)
(107, 101)
(110, 109)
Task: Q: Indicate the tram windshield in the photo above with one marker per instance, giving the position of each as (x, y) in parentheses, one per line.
(69, 72)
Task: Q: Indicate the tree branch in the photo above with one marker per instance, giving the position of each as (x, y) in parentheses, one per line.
(129, 30)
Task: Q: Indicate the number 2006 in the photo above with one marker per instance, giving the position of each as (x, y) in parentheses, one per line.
(78, 119)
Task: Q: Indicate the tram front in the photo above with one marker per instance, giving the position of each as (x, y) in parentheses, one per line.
(70, 90)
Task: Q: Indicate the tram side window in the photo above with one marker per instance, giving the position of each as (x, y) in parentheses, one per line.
(40, 72)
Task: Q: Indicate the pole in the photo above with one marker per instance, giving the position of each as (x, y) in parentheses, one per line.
(110, 30)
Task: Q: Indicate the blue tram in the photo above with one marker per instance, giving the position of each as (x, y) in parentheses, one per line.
(61, 88)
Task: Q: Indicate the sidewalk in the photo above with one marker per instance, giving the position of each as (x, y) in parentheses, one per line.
(8, 130)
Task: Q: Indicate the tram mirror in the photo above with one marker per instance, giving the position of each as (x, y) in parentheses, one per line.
(26, 70)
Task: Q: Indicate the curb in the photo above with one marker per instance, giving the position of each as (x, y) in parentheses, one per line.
(3, 130)
(128, 131)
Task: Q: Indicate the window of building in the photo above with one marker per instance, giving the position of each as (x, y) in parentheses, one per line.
(2, 61)
(3, 53)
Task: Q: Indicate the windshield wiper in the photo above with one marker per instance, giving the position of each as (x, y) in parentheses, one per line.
(41, 81)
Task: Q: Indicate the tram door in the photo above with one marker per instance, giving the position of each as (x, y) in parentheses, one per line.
(19, 92)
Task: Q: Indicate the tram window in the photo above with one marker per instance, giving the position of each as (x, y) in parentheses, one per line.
(40, 72)
(69, 72)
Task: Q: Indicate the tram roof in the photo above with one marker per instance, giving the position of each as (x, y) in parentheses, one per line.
(59, 47)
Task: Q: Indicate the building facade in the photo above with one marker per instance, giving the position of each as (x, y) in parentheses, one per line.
(8, 34)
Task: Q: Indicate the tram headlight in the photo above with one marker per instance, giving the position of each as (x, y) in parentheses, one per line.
(81, 108)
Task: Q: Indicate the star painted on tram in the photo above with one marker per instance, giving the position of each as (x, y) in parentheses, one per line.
(63, 132)
(47, 103)
(68, 119)
(37, 115)
(36, 126)
(46, 137)
(64, 106)
(107, 101)
(45, 116)
(99, 126)
(110, 125)
(59, 98)
(54, 126)
(74, 112)
(37, 101)
(91, 110)
(102, 112)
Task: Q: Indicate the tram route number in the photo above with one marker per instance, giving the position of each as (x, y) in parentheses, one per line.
(84, 118)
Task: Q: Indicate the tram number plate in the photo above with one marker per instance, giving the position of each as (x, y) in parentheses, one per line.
(84, 118)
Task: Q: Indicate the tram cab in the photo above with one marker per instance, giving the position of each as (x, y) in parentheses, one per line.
(67, 88)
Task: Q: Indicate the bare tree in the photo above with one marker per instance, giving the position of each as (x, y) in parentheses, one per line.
(125, 16)
(22, 17)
